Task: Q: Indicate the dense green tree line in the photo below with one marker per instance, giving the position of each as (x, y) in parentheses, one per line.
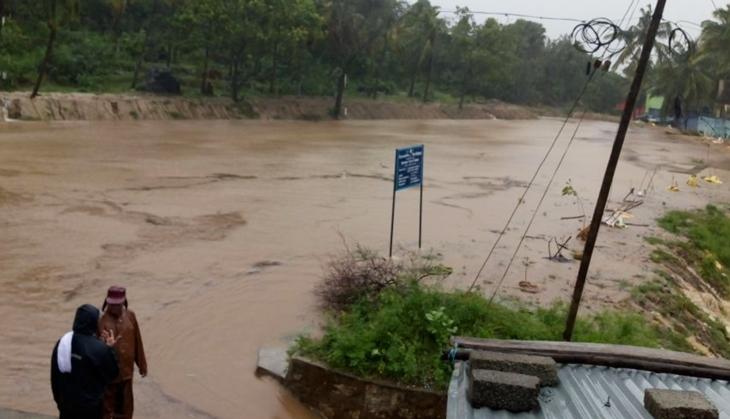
(693, 72)
(683, 68)
(304, 47)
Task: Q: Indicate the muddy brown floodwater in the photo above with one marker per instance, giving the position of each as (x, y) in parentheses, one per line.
(220, 229)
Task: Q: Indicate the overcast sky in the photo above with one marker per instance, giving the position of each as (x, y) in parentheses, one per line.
(690, 10)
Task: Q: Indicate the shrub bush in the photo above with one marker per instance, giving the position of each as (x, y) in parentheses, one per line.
(80, 55)
(363, 274)
(20, 55)
(19, 70)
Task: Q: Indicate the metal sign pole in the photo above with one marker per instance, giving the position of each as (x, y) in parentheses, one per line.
(420, 218)
(408, 173)
(392, 214)
(420, 204)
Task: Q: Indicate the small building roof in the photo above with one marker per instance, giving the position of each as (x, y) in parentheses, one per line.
(589, 391)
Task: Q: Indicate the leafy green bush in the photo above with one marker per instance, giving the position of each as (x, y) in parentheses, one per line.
(20, 55)
(81, 55)
(315, 80)
(19, 70)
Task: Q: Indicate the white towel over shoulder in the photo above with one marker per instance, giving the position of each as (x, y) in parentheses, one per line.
(63, 356)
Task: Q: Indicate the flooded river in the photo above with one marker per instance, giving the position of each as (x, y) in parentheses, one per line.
(219, 230)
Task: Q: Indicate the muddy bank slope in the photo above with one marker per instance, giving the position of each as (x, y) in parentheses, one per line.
(109, 107)
(314, 108)
(103, 107)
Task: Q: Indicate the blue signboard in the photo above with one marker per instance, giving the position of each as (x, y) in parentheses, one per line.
(408, 167)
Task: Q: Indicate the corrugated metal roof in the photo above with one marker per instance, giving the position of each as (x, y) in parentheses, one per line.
(584, 391)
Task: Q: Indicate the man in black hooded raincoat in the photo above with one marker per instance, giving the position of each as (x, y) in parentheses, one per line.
(93, 364)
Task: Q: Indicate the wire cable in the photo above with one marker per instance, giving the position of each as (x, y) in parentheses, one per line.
(683, 44)
(530, 183)
(631, 16)
(621, 22)
(537, 208)
(606, 50)
(584, 30)
(569, 19)
(478, 12)
(598, 34)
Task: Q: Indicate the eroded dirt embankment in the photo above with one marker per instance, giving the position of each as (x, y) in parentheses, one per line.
(104, 107)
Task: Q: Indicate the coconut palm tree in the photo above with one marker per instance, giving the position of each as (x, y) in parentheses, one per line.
(634, 38)
(352, 29)
(431, 26)
(415, 33)
(464, 36)
(715, 40)
(118, 8)
(57, 12)
(683, 76)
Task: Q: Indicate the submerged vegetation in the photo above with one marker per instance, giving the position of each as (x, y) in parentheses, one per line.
(400, 331)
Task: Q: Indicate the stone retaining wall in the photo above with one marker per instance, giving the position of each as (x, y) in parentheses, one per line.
(339, 395)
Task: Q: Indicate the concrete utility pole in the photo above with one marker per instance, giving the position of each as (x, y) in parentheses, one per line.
(611, 168)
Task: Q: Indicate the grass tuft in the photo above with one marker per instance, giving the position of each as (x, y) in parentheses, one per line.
(707, 245)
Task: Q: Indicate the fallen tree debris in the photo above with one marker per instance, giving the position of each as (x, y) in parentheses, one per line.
(693, 181)
(528, 287)
(558, 255)
(674, 187)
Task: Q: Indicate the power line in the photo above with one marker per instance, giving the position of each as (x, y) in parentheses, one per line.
(555, 172)
(635, 4)
(687, 22)
(539, 203)
(479, 12)
(530, 183)
(633, 11)
(627, 11)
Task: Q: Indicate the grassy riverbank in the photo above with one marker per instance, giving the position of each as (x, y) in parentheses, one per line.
(691, 288)
(402, 334)
(391, 319)
(397, 326)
